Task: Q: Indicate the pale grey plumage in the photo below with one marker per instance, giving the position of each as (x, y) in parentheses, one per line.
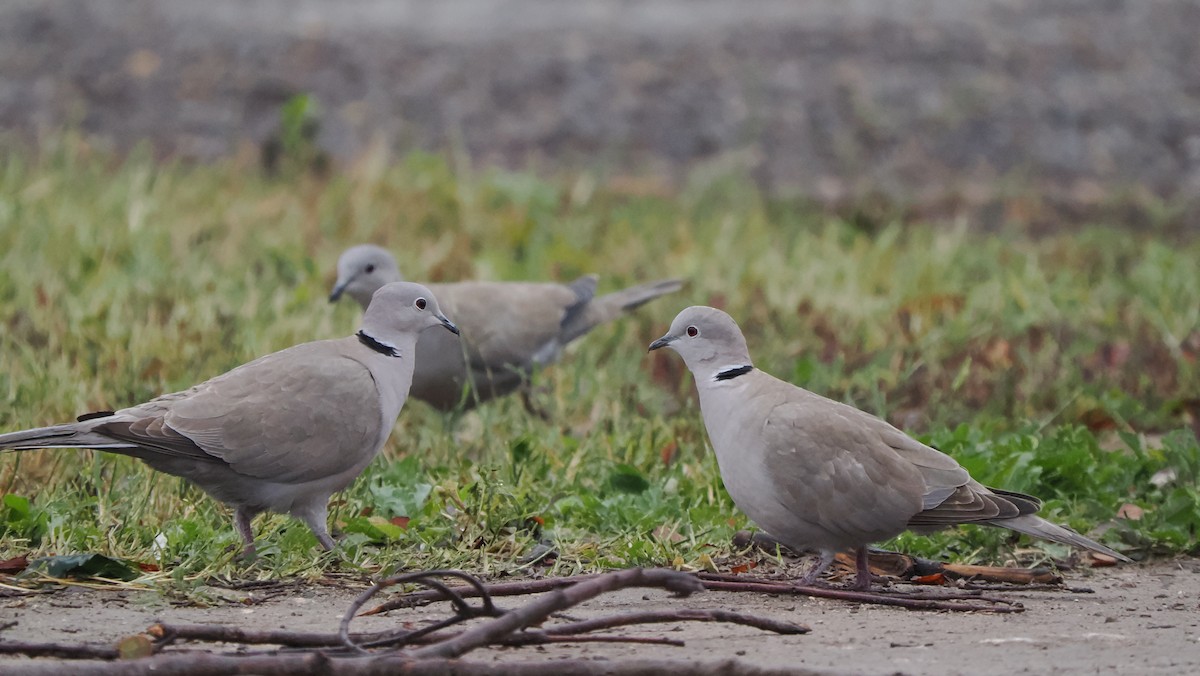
(508, 328)
(820, 475)
(281, 433)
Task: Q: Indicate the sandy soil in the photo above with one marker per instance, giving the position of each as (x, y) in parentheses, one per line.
(1140, 619)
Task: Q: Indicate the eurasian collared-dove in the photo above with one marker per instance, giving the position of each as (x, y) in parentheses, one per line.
(821, 475)
(282, 433)
(508, 328)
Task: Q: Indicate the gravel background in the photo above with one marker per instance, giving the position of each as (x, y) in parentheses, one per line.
(940, 103)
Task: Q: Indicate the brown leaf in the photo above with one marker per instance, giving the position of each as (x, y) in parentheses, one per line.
(1097, 420)
(401, 521)
(743, 568)
(668, 452)
(14, 565)
(1130, 511)
(148, 567)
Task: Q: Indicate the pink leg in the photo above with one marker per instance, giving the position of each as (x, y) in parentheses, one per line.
(819, 567)
(241, 522)
(862, 561)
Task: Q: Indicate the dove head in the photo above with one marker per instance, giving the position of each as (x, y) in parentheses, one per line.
(397, 313)
(362, 270)
(709, 341)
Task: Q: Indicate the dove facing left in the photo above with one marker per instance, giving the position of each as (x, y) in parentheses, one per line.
(509, 329)
(819, 475)
(282, 433)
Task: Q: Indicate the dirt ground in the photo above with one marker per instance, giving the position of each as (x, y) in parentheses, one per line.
(1140, 619)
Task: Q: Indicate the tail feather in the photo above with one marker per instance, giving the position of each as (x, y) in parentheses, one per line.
(1041, 528)
(70, 435)
(612, 305)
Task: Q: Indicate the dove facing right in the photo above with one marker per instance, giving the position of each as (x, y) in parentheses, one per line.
(820, 475)
(282, 433)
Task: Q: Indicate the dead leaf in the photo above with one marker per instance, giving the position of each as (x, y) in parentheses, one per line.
(1097, 420)
(1101, 560)
(1130, 511)
(743, 568)
(668, 452)
(14, 565)
(401, 521)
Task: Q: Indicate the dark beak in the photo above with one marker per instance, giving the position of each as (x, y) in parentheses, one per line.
(448, 324)
(340, 287)
(661, 342)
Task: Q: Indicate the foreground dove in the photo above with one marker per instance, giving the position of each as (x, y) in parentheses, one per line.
(282, 433)
(508, 328)
(820, 475)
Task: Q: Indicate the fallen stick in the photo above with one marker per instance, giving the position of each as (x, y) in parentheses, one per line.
(739, 583)
(385, 664)
(687, 614)
(946, 601)
(536, 612)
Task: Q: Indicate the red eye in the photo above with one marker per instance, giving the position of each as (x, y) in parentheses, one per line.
(420, 303)
(693, 331)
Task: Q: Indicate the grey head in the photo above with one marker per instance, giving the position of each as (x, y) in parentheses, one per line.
(401, 309)
(708, 340)
(362, 270)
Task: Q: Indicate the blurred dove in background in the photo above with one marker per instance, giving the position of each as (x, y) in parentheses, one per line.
(508, 328)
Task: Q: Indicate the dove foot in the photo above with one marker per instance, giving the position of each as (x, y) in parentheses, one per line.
(814, 573)
(862, 565)
(241, 522)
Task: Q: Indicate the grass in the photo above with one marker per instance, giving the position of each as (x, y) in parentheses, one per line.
(1061, 365)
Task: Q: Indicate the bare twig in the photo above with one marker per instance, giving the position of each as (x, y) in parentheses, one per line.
(520, 588)
(948, 600)
(537, 611)
(686, 614)
(463, 610)
(70, 652)
(921, 601)
(388, 663)
(222, 633)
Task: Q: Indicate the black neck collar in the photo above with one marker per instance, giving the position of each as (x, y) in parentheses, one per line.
(374, 344)
(731, 373)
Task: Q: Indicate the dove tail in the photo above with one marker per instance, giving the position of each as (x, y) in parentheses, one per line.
(612, 305)
(69, 435)
(1039, 527)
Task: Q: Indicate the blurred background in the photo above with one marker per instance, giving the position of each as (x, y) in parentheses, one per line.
(929, 108)
(977, 219)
